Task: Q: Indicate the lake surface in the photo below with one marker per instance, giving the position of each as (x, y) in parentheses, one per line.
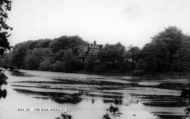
(46, 95)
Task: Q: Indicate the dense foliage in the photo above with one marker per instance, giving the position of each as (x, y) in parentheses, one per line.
(56, 55)
(5, 6)
(169, 51)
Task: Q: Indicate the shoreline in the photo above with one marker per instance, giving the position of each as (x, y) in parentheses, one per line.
(160, 76)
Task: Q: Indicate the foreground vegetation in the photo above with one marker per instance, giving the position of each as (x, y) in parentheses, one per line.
(168, 52)
(5, 7)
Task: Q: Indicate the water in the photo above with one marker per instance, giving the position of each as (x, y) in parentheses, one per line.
(36, 95)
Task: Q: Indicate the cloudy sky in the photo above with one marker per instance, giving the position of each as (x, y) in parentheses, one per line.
(131, 22)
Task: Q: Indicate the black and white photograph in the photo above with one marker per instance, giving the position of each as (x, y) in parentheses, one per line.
(94, 59)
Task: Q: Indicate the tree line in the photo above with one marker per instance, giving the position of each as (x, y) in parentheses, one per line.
(169, 51)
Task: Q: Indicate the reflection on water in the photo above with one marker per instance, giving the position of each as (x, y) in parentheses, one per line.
(90, 97)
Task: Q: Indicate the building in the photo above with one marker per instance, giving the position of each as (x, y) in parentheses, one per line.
(91, 49)
(94, 49)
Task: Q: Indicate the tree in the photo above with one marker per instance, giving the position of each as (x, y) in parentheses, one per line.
(31, 62)
(65, 42)
(43, 43)
(54, 50)
(72, 63)
(90, 62)
(181, 62)
(58, 66)
(112, 55)
(154, 58)
(30, 44)
(17, 56)
(132, 56)
(19, 52)
(5, 60)
(68, 63)
(159, 55)
(42, 53)
(45, 65)
(172, 38)
(5, 6)
(60, 55)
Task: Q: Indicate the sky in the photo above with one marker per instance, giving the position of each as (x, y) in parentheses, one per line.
(130, 22)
